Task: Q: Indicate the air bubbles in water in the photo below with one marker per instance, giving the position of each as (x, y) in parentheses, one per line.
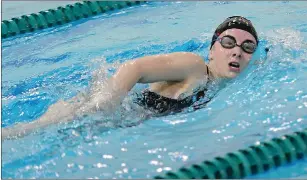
(288, 38)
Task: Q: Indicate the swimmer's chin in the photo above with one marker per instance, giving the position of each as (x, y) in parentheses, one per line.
(226, 77)
(231, 75)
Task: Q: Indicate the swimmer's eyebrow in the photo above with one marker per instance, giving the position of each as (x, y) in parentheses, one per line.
(248, 39)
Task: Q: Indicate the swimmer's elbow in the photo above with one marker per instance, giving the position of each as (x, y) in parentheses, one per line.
(131, 69)
(127, 75)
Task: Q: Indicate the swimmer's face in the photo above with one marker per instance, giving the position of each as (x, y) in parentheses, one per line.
(229, 62)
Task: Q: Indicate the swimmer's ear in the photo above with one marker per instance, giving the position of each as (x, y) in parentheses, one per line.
(261, 61)
(266, 52)
(267, 49)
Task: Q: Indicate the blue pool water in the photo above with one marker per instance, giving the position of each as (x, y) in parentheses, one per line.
(268, 100)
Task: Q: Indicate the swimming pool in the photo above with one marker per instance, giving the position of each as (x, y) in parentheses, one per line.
(267, 101)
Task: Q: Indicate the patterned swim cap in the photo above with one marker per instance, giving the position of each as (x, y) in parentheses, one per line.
(237, 22)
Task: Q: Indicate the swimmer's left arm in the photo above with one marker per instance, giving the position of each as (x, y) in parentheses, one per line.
(77, 106)
(61, 111)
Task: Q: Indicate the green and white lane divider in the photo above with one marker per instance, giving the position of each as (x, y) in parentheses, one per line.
(253, 160)
(61, 15)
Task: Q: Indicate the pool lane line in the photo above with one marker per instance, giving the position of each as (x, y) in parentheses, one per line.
(253, 160)
(59, 16)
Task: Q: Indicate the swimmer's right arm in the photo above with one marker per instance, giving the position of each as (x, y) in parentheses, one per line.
(166, 67)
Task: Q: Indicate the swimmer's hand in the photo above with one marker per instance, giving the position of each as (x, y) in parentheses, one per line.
(61, 111)
(9, 132)
(16, 131)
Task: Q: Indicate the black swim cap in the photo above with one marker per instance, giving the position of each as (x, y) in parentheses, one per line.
(237, 22)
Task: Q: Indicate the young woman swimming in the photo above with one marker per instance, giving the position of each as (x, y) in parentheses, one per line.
(174, 78)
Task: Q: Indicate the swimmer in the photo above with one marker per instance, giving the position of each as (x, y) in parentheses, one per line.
(174, 79)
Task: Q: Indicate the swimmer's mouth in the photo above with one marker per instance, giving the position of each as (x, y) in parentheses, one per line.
(234, 66)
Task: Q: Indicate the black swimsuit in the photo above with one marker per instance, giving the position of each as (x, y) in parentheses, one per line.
(161, 104)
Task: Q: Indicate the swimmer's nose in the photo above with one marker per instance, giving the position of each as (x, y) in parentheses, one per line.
(236, 52)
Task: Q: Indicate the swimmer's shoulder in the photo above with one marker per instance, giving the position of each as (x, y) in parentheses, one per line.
(191, 59)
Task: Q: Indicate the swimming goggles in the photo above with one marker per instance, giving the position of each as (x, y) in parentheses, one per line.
(230, 42)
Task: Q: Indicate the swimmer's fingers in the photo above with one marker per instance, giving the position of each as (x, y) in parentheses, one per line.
(14, 132)
(6, 133)
(61, 111)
